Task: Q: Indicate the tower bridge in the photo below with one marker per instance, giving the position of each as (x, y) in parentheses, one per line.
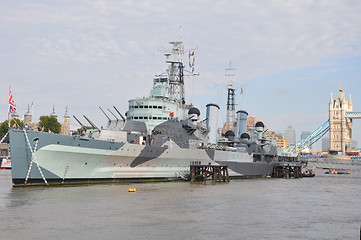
(353, 115)
(339, 126)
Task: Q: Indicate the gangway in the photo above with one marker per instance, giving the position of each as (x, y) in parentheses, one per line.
(309, 140)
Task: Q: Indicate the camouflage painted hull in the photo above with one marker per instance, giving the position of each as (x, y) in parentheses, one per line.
(60, 159)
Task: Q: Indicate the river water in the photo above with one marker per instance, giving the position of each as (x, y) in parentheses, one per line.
(323, 207)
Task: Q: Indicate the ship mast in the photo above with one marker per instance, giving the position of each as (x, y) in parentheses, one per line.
(175, 74)
(231, 105)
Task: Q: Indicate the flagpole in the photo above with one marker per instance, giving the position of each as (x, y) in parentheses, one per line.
(8, 108)
(11, 106)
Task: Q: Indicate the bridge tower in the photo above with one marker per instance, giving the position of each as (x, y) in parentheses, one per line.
(340, 124)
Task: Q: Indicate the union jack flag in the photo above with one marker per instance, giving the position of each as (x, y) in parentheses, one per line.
(12, 106)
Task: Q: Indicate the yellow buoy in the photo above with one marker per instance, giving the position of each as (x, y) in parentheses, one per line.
(132, 190)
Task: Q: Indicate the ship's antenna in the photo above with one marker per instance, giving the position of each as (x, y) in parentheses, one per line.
(175, 72)
(180, 32)
(242, 93)
(230, 72)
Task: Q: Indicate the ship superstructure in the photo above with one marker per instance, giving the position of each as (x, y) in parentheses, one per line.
(158, 139)
(167, 97)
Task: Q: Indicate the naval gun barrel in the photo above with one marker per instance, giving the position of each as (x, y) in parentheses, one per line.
(204, 120)
(105, 114)
(119, 113)
(82, 125)
(113, 114)
(91, 123)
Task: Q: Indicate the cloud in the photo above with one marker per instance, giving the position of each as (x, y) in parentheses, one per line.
(99, 49)
(284, 90)
(268, 36)
(327, 71)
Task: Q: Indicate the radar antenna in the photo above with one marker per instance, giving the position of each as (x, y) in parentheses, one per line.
(175, 72)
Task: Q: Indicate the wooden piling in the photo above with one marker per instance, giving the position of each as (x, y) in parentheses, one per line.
(217, 173)
(287, 170)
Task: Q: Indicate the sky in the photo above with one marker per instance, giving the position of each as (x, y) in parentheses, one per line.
(288, 55)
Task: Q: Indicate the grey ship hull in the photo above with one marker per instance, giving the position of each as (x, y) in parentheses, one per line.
(69, 160)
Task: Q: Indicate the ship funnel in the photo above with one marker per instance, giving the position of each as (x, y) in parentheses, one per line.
(241, 125)
(212, 122)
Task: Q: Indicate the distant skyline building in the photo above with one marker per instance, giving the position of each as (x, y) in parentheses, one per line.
(53, 114)
(28, 120)
(290, 135)
(65, 127)
(325, 144)
(354, 144)
(14, 115)
(304, 134)
(251, 121)
(279, 138)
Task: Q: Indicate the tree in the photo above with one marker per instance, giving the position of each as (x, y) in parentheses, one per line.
(50, 123)
(4, 126)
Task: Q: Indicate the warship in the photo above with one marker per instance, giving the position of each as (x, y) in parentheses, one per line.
(158, 139)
